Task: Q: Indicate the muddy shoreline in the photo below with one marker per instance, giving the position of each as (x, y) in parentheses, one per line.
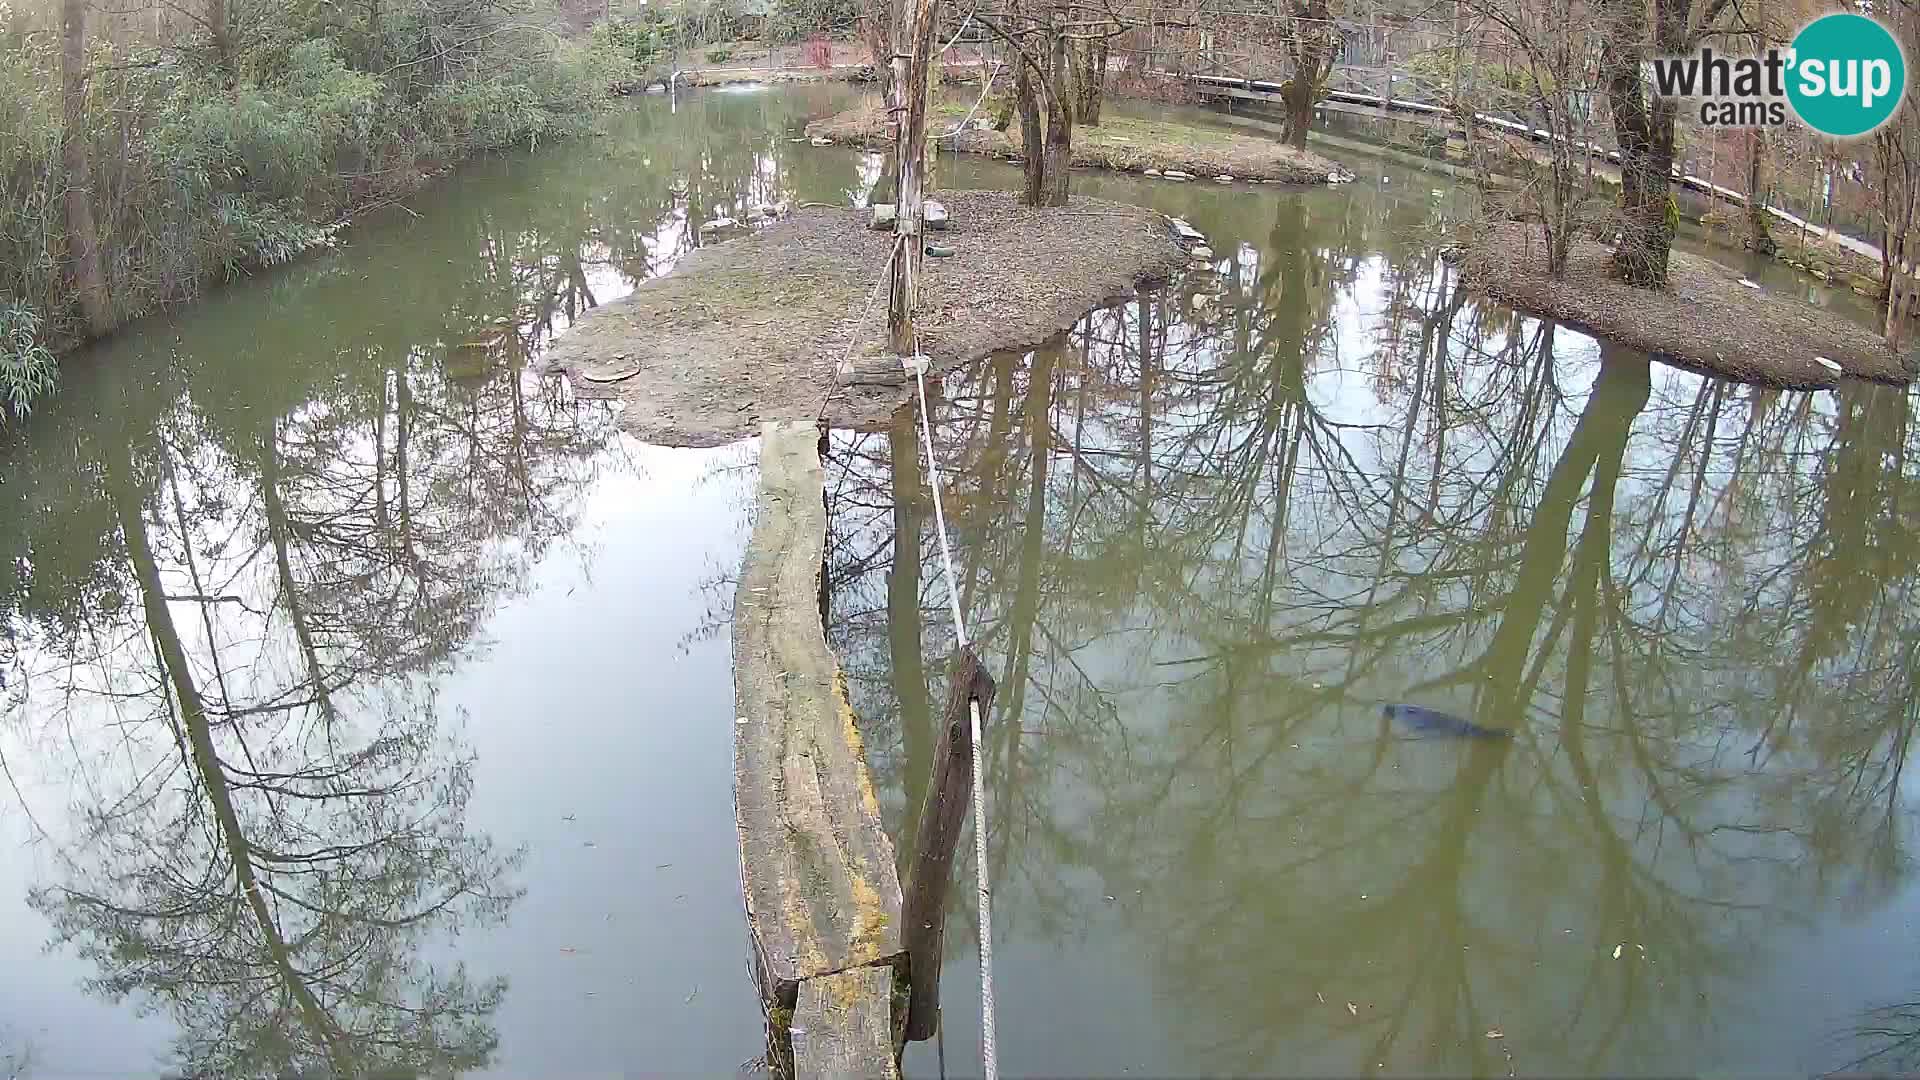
(1706, 319)
(757, 328)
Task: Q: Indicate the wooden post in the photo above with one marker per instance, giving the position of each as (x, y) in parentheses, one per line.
(910, 160)
(949, 792)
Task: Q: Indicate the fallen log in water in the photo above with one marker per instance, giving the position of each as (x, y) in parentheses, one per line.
(822, 897)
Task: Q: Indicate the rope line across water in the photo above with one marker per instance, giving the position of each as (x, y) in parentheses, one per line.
(989, 1054)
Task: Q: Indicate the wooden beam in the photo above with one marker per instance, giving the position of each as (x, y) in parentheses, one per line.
(949, 793)
(843, 1027)
(817, 868)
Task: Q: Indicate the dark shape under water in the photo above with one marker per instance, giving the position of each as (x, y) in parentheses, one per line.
(1434, 722)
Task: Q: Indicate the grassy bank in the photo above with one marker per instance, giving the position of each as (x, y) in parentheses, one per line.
(212, 158)
(1120, 143)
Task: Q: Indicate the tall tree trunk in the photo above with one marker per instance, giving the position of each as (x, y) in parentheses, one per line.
(876, 29)
(1312, 46)
(910, 154)
(1903, 297)
(1090, 82)
(221, 35)
(1759, 231)
(1059, 139)
(1033, 167)
(76, 160)
(1644, 132)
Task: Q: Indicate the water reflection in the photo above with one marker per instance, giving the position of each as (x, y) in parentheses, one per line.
(268, 808)
(1206, 534)
(255, 553)
(250, 548)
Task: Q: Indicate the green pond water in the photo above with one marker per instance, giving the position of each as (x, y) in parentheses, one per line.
(368, 705)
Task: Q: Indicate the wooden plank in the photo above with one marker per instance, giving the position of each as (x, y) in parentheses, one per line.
(816, 866)
(843, 1027)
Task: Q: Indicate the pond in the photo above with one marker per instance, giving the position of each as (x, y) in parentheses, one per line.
(368, 699)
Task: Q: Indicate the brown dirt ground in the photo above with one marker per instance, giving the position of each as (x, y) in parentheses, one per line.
(754, 329)
(1121, 143)
(1705, 319)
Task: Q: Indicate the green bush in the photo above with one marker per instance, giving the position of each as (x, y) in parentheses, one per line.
(796, 20)
(27, 368)
(204, 170)
(719, 56)
(640, 40)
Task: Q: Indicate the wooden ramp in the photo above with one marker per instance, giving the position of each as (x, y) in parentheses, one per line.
(822, 896)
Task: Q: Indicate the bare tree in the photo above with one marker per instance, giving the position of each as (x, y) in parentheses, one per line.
(1759, 222)
(1544, 70)
(1313, 45)
(76, 159)
(1896, 161)
(1643, 125)
(1044, 37)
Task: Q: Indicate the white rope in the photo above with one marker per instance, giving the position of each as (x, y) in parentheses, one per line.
(833, 380)
(989, 1055)
(968, 119)
(939, 513)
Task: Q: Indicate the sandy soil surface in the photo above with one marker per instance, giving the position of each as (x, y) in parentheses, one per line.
(756, 328)
(1705, 319)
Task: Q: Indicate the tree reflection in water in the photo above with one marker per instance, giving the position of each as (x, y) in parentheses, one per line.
(246, 550)
(1203, 542)
(235, 669)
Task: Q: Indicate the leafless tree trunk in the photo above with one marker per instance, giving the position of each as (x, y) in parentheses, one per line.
(76, 160)
(1090, 80)
(910, 152)
(1058, 151)
(1033, 162)
(220, 33)
(1903, 300)
(1644, 129)
(876, 30)
(1759, 231)
(1896, 160)
(1041, 42)
(1312, 43)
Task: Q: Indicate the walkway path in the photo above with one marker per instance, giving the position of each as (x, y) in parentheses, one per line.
(1404, 110)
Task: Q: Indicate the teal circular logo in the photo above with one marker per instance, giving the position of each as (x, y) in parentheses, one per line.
(1846, 75)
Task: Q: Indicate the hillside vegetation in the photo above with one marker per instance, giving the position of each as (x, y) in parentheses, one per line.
(210, 141)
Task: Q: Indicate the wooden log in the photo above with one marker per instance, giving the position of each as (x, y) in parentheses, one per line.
(949, 793)
(817, 869)
(910, 151)
(843, 1027)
